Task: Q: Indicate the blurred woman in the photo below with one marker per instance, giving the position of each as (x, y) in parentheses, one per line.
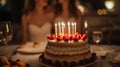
(36, 21)
(68, 11)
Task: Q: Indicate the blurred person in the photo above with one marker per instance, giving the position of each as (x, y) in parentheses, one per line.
(67, 10)
(36, 21)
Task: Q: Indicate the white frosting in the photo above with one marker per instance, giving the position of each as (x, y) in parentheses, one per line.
(67, 50)
(69, 41)
(68, 58)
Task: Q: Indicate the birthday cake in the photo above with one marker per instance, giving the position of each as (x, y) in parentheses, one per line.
(67, 50)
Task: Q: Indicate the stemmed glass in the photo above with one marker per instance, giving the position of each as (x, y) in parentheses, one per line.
(6, 34)
(97, 36)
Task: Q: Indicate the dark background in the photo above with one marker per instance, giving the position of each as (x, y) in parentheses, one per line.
(13, 8)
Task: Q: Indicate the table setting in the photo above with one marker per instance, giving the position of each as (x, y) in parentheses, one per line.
(107, 55)
(31, 47)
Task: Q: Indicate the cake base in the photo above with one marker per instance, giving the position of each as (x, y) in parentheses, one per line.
(86, 62)
(89, 64)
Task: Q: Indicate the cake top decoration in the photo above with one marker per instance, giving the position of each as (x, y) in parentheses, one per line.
(67, 37)
(66, 31)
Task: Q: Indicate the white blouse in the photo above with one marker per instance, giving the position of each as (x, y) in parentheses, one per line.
(39, 34)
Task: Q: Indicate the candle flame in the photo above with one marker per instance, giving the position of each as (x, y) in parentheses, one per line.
(55, 24)
(75, 23)
(72, 24)
(86, 25)
(68, 23)
(59, 23)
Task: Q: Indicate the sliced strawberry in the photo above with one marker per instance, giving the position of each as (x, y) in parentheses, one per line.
(75, 39)
(59, 38)
(49, 37)
(83, 37)
(66, 38)
(53, 37)
(79, 36)
(71, 38)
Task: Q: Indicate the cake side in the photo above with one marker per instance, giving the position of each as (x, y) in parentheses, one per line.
(67, 61)
(67, 58)
(67, 51)
(67, 48)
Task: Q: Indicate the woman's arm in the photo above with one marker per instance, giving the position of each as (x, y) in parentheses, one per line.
(24, 26)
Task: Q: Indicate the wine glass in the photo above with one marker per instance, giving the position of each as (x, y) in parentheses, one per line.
(97, 36)
(6, 34)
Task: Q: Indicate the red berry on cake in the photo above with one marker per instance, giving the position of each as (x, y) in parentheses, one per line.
(53, 36)
(58, 35)
(66, 38)
(71, 38)
(76, 35)
(65, 34)
(79, 36)
(59, 38)
(83, 37)
(49, 37)
(75, 39)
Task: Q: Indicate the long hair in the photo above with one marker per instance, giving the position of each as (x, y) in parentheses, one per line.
(71, 6)
(58, 8)
(29, 5)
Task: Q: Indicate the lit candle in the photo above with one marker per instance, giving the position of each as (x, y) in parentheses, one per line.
(73, 32)
(63, 25)
(69, 28)
(85, 24)
(59, 28)
(75, 27)
(56, 28)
